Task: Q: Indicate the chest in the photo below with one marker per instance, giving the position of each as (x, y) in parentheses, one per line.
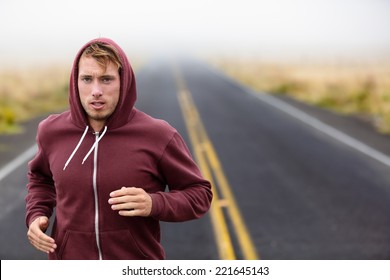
(115, 162)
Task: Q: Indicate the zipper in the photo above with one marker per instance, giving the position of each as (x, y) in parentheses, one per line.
(96, 197)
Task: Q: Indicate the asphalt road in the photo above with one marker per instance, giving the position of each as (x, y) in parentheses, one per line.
(287, 187)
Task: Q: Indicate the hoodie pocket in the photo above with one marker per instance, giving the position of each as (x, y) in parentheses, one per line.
(78, 246)
(121, 245)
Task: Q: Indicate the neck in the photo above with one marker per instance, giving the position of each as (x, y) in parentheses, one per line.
(96, 125)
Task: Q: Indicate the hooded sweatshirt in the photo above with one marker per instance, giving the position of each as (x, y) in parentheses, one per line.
(75, 170)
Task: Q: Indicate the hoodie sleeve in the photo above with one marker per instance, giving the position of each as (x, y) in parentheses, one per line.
(189, 196)
(41, 196)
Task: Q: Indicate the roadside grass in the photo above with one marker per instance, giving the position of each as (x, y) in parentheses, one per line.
(347, 88)
(27, 93)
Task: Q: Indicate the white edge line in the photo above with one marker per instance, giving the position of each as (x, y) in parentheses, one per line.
(311, 121)
(18, 161)
(324, 128)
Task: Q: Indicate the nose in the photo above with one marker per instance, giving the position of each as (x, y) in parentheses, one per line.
(97, 90)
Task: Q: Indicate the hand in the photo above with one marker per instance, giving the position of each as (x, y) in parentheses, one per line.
(131, 202)
(38, 238)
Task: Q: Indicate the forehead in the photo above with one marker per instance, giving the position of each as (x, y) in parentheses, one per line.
(89, 66)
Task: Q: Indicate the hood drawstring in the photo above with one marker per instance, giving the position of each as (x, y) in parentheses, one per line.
(79, 143)
(94, 145)
(77, 147)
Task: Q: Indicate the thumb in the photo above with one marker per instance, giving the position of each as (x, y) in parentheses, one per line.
(43, 223)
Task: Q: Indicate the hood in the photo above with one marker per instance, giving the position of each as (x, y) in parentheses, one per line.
(128, 92)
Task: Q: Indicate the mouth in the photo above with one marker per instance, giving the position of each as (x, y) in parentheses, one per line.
(97, 104)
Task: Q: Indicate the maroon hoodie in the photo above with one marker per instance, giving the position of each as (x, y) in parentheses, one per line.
(133, 150)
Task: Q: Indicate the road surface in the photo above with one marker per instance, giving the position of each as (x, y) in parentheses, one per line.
(290, 181)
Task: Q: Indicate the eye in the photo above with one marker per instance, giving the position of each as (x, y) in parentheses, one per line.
(86, 79)
(106, 80)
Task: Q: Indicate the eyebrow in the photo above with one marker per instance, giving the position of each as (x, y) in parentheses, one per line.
(100, 77)
(107, 76)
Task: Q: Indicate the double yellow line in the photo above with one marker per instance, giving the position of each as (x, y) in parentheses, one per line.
(211, 169)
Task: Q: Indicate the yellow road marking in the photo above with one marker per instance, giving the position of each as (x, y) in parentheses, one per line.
(224, 243)
(210, 165)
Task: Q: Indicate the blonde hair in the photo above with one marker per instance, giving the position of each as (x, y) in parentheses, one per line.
(103, 54)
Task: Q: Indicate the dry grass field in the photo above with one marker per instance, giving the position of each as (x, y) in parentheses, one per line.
(26, 93)
(362, 89)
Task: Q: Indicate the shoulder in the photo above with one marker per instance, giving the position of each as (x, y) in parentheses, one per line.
(55, 119)
(54, 124)
(153, 125)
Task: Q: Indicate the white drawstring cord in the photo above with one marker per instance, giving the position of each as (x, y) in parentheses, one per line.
(94, 145)
(77, 147)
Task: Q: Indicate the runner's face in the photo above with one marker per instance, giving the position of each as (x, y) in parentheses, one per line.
(99, 90)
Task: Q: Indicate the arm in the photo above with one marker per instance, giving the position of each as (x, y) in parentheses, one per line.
(189, 195)
(40, 199)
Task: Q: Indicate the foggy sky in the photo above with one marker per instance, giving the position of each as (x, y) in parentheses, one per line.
(39, 31)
